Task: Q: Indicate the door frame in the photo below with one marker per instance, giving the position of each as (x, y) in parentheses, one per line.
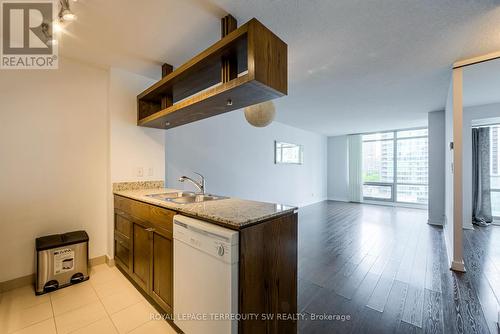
(457, 260)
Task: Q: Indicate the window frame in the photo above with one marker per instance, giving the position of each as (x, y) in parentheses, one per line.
(380, 184)
(301, 153)
(494, 190)
(394, 185)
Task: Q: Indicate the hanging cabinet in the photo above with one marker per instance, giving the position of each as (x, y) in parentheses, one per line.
(201, 88)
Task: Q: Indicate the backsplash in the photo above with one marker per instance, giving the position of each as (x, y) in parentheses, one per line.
(120, 186)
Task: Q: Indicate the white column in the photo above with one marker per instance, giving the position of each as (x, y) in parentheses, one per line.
(457, 262)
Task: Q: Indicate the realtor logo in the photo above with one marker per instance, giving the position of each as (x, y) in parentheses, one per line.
(27, 41)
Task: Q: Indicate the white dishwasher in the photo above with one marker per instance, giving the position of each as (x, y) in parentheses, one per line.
(205, 277)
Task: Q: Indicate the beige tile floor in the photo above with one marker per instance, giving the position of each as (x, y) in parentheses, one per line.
(107, 303)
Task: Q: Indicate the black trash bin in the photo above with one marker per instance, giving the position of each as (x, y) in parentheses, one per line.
(61, 260)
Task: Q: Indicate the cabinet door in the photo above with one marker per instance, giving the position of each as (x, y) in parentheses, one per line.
(162, 283)
(141, 254)
(123, 253)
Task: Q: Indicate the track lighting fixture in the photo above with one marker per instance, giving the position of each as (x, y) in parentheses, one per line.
(65, 14)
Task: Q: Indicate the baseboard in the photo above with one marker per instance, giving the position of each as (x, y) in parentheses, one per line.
(458, 266)
(98, 260)
(455, 265)
(103, 259)
(447, 241)
(468, 226)
(30, 279)
(17, 283)
(345, 200)
(301, 205)
(436, 222)
(110, 262)
(395, 204)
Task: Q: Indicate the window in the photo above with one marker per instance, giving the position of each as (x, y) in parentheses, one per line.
(495, 170)
(395, 166)
(286, 153)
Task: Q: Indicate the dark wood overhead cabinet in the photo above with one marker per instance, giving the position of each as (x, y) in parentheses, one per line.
(246, 67)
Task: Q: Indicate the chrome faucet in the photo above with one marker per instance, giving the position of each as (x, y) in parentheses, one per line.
(200, 185)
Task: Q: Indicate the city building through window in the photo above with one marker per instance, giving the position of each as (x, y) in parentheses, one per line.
(395, 166)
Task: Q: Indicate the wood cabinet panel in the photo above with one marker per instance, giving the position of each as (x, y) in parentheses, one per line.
(123, 226)
(139, 210)
(134, 208)
(141, 253)
(144, 247)
(122, 204)
(268, 56)
(161, 218)
(258, 73)
(268, 275)
(122, 253)
(162, 282)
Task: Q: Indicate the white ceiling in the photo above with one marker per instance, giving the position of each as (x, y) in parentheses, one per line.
(354, 65)
(140, 35)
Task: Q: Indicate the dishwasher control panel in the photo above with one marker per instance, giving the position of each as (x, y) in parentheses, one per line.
(217, 241)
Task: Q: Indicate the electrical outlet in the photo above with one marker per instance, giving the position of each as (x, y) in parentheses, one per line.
(150, 171)
(139, 172)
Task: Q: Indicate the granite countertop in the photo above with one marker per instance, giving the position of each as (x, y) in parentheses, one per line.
(232, 212)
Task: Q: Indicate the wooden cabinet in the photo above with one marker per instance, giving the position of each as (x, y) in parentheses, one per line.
(144, 248)
(196, 90)
(141, 255)
(162, 278)
(123, 247)
(267, 263)
(268, 275)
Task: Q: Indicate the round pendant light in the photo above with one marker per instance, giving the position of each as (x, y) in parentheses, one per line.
(260, 115)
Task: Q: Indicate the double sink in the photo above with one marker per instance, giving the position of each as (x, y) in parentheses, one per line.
(185, 197)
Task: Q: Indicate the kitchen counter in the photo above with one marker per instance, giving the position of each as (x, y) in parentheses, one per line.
(233, 213)
(144, 248)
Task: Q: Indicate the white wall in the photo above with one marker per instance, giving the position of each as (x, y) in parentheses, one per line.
(54, 160)
(437, 152)
(338, 168)
(132, 147)
(471, 114)
(238, 160)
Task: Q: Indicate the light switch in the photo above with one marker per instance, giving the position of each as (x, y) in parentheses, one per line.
(150, 171)
(140, 172)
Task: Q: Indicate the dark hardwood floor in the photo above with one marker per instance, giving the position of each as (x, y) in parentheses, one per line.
(387, 270)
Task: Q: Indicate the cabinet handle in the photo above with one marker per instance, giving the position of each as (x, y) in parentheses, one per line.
(150, 229)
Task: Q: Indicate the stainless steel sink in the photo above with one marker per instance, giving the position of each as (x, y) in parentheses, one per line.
(185, 197)
(195, 199)
(172, 195)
